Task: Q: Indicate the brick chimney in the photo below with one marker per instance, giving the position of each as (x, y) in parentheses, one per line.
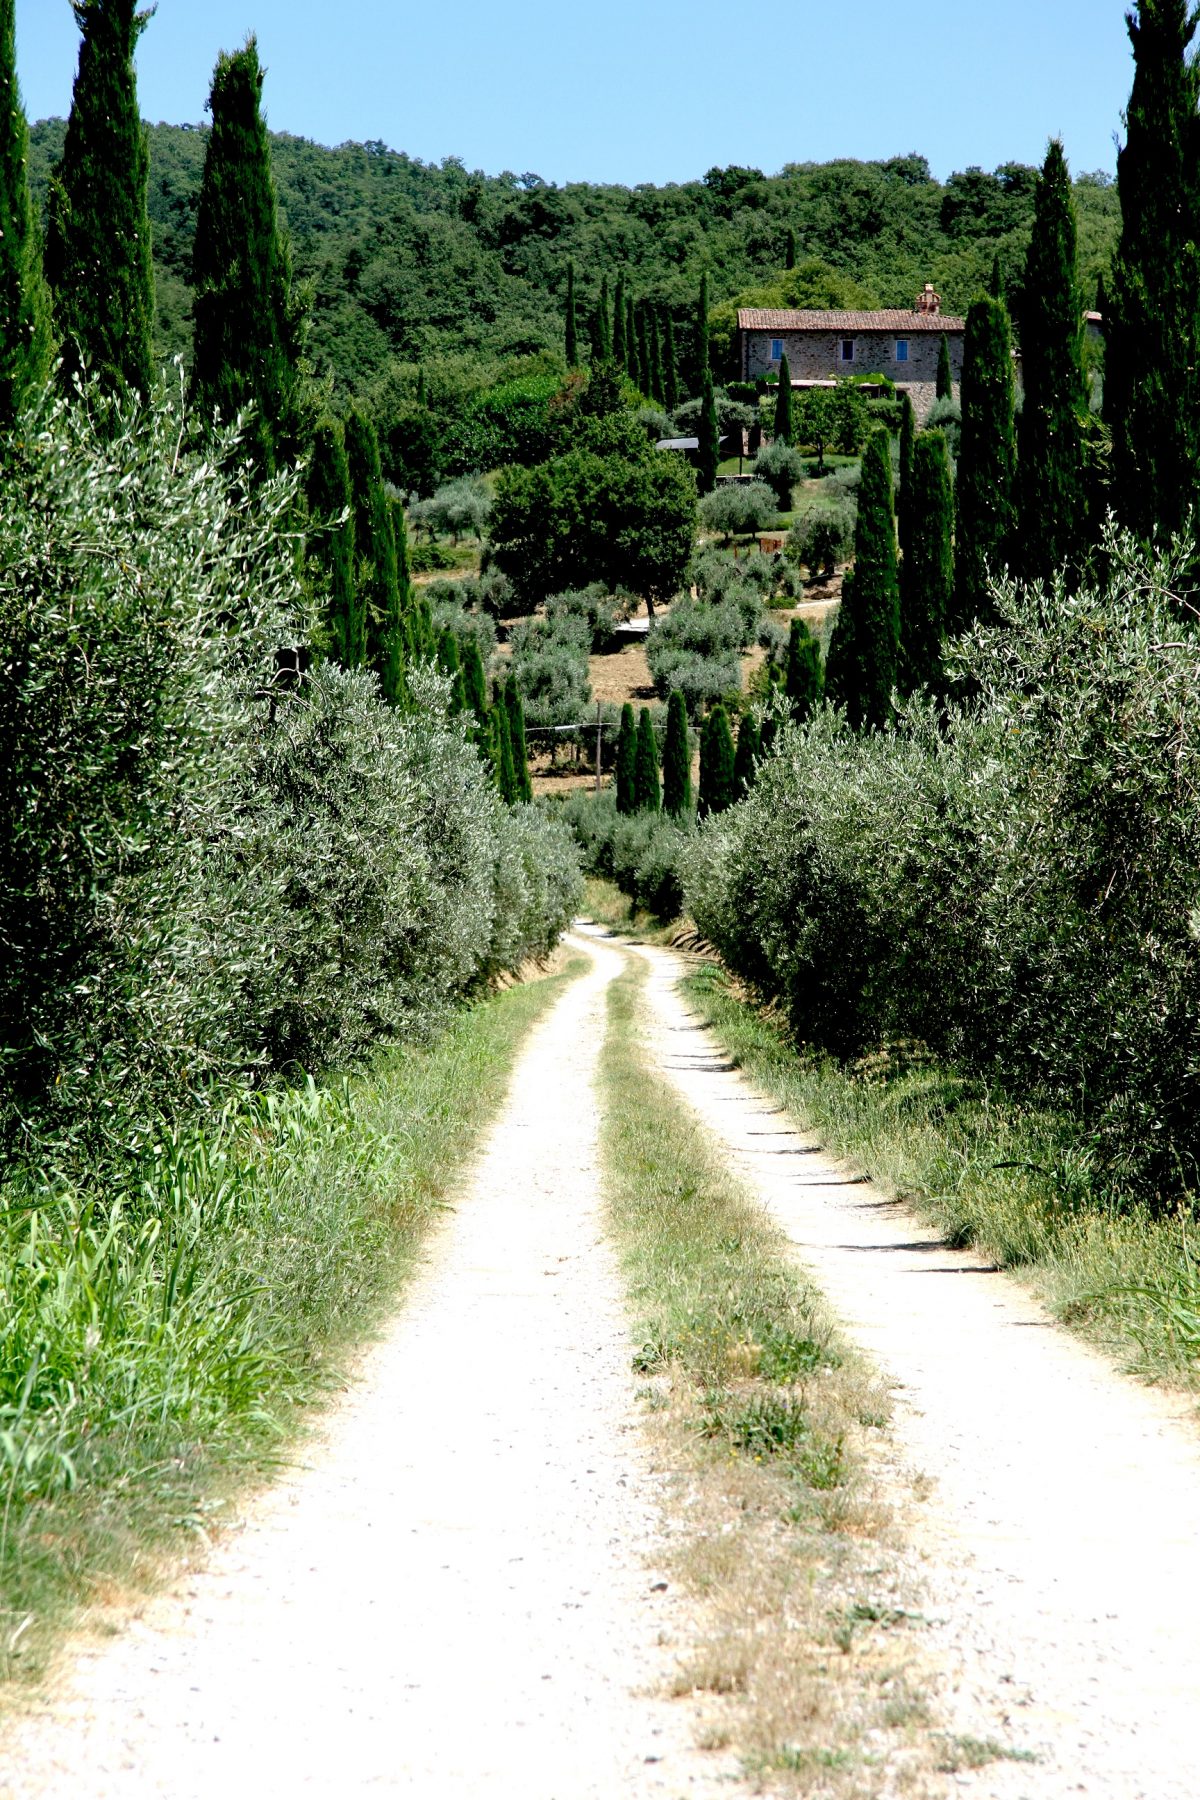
(929, 301)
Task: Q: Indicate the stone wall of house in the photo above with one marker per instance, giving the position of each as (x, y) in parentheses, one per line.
(816, 356)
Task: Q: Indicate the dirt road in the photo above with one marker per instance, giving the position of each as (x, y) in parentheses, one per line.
(1061, 1541)
(451, 1598)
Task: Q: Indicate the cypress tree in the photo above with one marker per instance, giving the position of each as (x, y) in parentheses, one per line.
(1152, 374)
(633, 361)
(98, 243)
(475, 685)
(749, 749)
(450, 663)
(620, 350)
(908, 433)
(516, 732)
(657, 390)
(702, 356)
(804, 680)
(708, 457)
(419, 639)
(25, 345)
(862, 657)
(602, 327)
(421, 400)
(1050, 465)
(783, 403)
(377, 568)
(927, 577)
(986, 458)
(572, 328)
(945, 371)
(247, 327)
(500, 732)
(670, 366)
(627, 762)
(996, 279)
(1101, 298)
(645, 366)
(718, 784)
(789, 251)
(647, 793)
(677, 760)
(329, 496)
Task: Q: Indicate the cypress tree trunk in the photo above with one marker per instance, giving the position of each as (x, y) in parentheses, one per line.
(377, 571)
(670, 366)
(572, 329)
(804, 681)
(98, 243)
(627, 762)
(863, 655)
(749, 749)
(329, 494)
(783, 403)
(1152, 372)
(25, 344)
(620, 349)
(945, 371)
(703, 371)
(718, 785)
(516, 733)
(708, 457)
(475, 686)
(986, 459)
(677, 760)
(1050, 466)
(927, 578)
(647, 793)
(908, 433)
(247, 328)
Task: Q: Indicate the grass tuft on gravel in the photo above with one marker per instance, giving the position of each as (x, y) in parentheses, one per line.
(771, 1423)
(164, 1344)
(1010, 1180)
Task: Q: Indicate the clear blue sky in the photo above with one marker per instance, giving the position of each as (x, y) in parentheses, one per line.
(656, 91)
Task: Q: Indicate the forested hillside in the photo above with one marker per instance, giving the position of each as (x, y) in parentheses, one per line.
(464, 273)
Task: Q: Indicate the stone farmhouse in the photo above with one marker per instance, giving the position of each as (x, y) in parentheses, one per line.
(825, 347)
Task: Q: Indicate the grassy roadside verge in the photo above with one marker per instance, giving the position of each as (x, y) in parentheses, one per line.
(1007, 1179)
(808, 1654)
(175, 1339)
(604, 902)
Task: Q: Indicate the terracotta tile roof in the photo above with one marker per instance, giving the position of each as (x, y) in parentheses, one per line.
(904, 322)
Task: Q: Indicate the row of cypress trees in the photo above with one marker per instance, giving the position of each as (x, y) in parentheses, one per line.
(636, 335)
(726, 773)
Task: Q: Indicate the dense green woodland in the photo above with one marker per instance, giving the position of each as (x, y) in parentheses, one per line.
(409, 262)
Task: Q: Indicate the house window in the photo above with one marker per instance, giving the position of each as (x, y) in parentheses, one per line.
(847, 349)
(901, 349)
(776, 349)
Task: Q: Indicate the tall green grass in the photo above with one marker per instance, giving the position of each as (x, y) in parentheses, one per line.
(161, 1334)
(1012, 1180)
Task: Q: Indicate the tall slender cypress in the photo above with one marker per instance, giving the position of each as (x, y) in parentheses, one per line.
(986, 459)
(927, 574)
(702, 354)
(1050, 465)
(677, 760)
(420, 640)
(449, 661)
(861, 671)
(643, 343)
(98, 242)
(572, 328)
(475, 685)
(1152, 369)
(329, 497)
(656, 368)
(627, 762)
(602, 327)
(783, 404)
(718, 761)
(945, 371)
(749, 749)
(708, 457)
(670, 366)
(996, 279)
(804, 678)
(633, 359)
(789, 249)
(516, 732)
(908, 433)
(619, 346)
(501, 746)
(377, 570)
(247, 326)
(25, 344)
(647, 792)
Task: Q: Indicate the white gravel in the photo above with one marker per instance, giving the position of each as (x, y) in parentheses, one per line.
(451, 1598)
(1061, 1544)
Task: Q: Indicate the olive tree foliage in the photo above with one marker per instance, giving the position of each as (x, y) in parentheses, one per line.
(739, 509)
(1039, 845)
(210, 867)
